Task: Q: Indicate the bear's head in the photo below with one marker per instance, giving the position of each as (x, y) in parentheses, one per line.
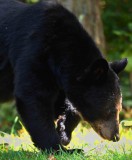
(97, 96)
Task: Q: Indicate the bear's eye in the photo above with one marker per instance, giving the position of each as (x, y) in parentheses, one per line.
(111, 113)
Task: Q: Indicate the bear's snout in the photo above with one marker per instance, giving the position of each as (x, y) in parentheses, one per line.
(107, 129)
(109, 134)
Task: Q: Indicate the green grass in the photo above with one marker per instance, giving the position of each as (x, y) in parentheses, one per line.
(21, 147)
(24, 155)
(10, 154)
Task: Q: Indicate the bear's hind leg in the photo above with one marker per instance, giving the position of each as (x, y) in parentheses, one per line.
(67, 123)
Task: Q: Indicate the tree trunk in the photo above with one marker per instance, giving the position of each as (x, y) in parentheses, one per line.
(89, 14)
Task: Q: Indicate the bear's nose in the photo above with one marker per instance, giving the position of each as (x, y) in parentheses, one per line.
(116, 138)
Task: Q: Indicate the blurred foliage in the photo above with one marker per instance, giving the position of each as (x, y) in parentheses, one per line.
(7, 115)
(29, 1)
(117, 20)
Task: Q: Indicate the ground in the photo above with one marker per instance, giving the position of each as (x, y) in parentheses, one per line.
(94, 147)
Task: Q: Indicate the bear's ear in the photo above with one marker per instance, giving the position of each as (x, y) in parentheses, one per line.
(99, 70)
(119, 66)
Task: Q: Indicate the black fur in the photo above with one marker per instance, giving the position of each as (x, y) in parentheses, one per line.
(46, 57)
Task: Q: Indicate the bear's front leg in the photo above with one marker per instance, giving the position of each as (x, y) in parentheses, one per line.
(40, 126)
(35, 105)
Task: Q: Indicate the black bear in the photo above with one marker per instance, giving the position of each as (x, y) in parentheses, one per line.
(52, 67)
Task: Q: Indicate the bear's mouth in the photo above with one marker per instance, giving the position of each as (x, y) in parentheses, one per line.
(101, 134)
(98, 131)
(115, 137)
